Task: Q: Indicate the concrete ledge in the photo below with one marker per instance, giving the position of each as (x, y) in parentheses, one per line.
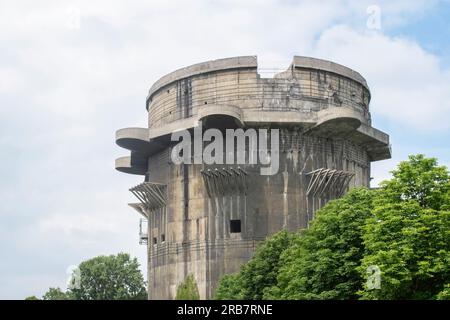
(255, 117)
(313, 63)
(243, 116)
(204, 67)
(124, 164)
(337, 121)
(215, 110)
(134, 139)
(374, 134)
(380, 153)
(178, 125)
(333, 113)
(376, 142)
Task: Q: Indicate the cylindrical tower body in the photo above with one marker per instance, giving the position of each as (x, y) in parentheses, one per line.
(206, 219)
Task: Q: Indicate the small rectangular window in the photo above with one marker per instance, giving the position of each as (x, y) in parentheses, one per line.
(155, 240)
(235, 226)
(163, 237)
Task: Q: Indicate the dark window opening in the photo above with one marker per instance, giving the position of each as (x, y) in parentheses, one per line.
(163, 237)
(235, 226)
(155, 240)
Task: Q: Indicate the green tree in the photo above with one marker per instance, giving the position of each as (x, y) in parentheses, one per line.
(188, 290)
(259, 273)
(32, 298)
(55, 294)
(229, 288)
(411, 247)
(114, 277)
(445, 293)
(419, 179)
(321, 264)
(408, 237)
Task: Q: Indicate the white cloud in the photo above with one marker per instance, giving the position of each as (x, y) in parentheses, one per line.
(408, 85)
(10, 80)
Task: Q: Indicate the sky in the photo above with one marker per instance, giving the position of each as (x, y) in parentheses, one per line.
(73, 72)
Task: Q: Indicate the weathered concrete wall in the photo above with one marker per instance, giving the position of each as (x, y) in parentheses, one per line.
(322, 111)
(196, 227)
(298, 89)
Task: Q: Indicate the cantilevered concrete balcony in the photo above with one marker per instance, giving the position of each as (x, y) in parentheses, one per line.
(137, 140)
(376, 142)
(127, 165)
(134, 139)
(337, 121)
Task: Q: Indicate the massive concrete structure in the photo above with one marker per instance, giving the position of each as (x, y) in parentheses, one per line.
(206, 220)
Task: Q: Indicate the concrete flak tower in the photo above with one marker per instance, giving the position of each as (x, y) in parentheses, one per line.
(207, 219)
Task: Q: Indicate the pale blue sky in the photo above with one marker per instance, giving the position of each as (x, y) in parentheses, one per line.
(72, 72)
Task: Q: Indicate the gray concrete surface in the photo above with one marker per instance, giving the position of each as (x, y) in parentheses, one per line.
(322, 111)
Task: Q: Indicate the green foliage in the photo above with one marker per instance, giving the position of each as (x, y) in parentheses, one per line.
(114, 277)
(229, 287)
(188, 290)
(403, 229)
(259, 273)
(32, 298)
(419, 179)
(408, 237)
(322, 263)
(55, 294)
(411, 246)
(444, 294)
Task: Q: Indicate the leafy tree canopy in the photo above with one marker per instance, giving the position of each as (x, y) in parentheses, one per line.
(114, 277)
(188, 290)
(55, 294)
(419, 179)
(408, 235)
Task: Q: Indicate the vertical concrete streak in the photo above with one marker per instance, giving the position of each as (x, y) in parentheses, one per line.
(186, 230)
(285, 197)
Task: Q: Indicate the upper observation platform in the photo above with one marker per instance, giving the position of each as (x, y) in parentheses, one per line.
(308, 86)
(321, 97)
